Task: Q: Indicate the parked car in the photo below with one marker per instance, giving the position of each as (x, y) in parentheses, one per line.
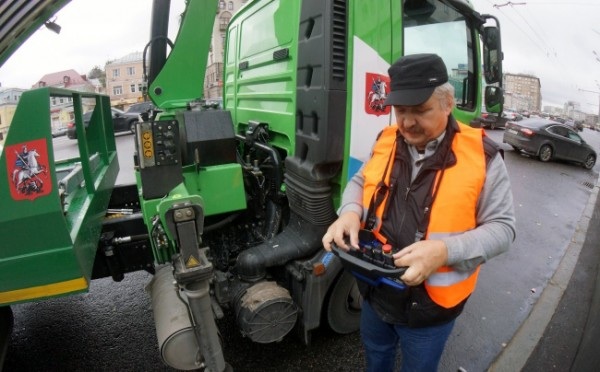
(59, 132)
(548, 140)
(511, 115)
(122, 122)
(139, 108)
(492, 121)
(71, 132)
(575, 124)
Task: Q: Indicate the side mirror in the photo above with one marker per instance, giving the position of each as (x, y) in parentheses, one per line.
(492, 55)
(494, 99)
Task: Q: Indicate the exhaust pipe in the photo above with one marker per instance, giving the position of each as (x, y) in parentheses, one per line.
(176, 339)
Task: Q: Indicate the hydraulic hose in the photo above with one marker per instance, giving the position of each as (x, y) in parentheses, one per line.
(299, 239)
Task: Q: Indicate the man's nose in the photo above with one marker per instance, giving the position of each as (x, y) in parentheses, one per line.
(409, 119)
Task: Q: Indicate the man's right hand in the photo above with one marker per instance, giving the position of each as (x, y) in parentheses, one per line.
(347, 225)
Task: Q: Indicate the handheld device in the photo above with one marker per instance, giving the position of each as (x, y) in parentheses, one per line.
(372, 262)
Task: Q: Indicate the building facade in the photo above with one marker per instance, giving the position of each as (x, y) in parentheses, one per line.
(213, 80)
(522, 92)
(124, 80)
(9, 98)
(61, 108)
(572, 110)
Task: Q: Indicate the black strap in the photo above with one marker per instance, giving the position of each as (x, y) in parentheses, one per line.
(380, 191)
(424, 225)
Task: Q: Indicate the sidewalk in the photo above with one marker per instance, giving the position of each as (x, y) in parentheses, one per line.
(562, 332)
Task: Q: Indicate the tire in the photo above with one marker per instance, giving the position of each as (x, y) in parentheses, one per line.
(589, 162)
(545, 153)
(6, 326)
(343, 305)
(516, 149)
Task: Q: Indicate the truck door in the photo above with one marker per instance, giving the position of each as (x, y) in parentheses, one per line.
(434, 27)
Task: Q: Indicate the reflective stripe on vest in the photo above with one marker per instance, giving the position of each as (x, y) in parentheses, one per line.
(453, 211)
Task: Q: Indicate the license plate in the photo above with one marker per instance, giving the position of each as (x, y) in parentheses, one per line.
(512, 131)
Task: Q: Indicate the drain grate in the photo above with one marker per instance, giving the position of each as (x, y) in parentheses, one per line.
(588, 184)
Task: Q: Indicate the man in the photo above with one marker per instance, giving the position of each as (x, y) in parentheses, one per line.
(438, 192)
(20, 162)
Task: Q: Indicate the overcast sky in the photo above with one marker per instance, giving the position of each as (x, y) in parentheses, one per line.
(92, 33)
(557, 41)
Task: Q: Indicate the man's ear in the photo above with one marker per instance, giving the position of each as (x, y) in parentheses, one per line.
(449, 104)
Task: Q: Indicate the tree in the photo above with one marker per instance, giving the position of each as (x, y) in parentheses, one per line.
(97, 73)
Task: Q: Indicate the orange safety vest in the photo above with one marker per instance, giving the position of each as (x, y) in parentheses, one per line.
(453, 211)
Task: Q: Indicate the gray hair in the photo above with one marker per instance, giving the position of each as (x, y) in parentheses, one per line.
(445, 94)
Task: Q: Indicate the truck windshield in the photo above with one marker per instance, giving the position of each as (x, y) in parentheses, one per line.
(433, 26)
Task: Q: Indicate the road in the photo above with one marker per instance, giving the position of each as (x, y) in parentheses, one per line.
(111, 327)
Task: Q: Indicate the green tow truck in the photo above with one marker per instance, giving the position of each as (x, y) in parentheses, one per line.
(229, 205)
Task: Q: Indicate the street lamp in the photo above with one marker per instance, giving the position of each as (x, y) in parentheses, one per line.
(52, 26)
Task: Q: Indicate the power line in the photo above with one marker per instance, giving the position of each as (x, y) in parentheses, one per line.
(528, 27)
(508, 3)
(566, 2)
(516, 24)
(535, 32)
(546, 49)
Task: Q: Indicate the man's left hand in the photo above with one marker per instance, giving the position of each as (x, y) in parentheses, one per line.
(423, 258)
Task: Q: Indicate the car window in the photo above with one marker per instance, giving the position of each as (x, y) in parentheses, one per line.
(140, 107)
(558, 130)
(574, 136)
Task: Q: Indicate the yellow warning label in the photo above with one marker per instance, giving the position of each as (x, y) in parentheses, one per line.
(192, 262)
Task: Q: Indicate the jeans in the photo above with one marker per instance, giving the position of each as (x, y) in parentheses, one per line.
(421, 347)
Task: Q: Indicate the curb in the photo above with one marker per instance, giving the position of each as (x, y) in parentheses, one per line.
(515, 355)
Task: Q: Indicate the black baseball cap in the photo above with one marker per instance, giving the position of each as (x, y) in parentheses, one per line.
(413, 78)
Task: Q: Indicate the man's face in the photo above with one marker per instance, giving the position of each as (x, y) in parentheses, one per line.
(422, 123)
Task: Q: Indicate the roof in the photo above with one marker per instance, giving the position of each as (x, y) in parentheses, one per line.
(11, 89)
(131, 57)
(58, 79)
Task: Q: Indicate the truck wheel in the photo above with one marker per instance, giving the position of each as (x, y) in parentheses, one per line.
(344, 304)
(6, 326)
